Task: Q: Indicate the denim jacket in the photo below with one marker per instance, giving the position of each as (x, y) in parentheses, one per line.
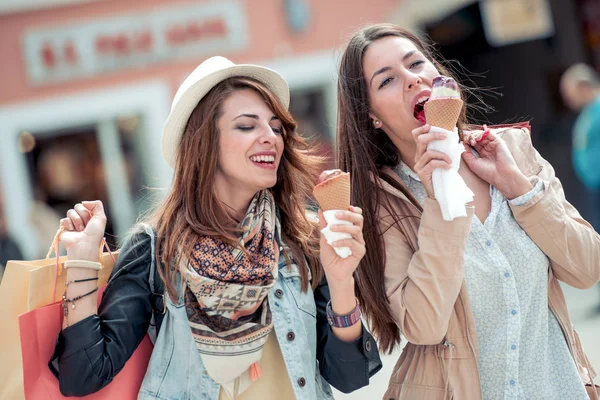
(312, 354)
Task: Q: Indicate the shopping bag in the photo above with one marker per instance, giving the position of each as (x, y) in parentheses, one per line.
(27, 285)
(39, 329)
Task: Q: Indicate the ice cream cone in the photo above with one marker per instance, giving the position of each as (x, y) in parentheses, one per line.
(443, 113)
(334, 193)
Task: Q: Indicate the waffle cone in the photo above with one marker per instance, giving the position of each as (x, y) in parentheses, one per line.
(334, 193)
(443, 113)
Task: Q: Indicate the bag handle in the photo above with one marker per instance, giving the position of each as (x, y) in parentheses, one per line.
(55, 247)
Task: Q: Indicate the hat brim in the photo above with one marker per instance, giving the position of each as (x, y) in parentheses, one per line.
(180, 112)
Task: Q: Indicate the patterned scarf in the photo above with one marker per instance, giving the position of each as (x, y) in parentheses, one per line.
(226, 296)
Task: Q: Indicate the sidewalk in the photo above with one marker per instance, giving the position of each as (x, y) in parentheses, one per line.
(581, 305)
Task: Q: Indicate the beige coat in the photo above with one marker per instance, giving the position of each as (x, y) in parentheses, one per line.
(424, 279)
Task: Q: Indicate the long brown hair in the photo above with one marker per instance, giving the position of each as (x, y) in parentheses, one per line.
(192, 209)
(364, 151)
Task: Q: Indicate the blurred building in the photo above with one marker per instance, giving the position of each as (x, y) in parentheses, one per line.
(87, 85)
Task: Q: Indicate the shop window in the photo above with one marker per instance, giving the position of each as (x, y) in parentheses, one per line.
(69, 165)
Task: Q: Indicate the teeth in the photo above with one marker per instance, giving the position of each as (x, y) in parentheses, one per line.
(263, 158)
(422, 99)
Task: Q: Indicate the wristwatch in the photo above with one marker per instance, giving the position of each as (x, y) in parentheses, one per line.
(343, 321)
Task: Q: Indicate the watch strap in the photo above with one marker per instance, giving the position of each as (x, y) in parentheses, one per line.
(343, 321)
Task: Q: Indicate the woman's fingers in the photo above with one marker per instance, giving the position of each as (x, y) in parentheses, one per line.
(430, 156)
(488, 144)
(420, 130)
(353, 230)
(356, 218)
(429, 137)
(468, 156)
(357, 210)
(416, 133)
(67, 224)
(358, 249)
(83, 212)
(424, 139)
(427, 163)
(76, 220)
(433, 165)
(96, 209)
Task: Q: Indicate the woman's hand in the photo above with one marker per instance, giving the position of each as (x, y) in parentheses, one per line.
(497, 166)
(339, 270)
(428, 160)
(83, 230)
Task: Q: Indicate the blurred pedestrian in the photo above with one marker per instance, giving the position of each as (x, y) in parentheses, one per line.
(580, 90)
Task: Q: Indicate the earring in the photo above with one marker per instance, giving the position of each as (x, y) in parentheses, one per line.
(377, 123)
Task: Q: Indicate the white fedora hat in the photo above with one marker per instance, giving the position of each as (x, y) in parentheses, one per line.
(206, 76)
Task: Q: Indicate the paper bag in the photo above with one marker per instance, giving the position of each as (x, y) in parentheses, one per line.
(27, 285)
(39, 329)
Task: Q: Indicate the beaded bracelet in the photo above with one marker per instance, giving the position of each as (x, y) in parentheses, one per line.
(65, 304)
(81, 280)
(83, 264)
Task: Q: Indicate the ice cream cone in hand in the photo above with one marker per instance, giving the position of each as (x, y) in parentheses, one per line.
(333, 195)
(442, 111)
(444, 105)
(333, 191)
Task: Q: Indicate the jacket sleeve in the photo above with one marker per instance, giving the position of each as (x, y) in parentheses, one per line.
(558, 229)
(423, 285)
(347, 366)
(90, 353)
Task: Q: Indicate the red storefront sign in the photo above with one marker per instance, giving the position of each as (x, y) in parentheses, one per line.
(85, 50)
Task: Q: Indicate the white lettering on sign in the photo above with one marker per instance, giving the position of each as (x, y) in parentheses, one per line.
(161, 35)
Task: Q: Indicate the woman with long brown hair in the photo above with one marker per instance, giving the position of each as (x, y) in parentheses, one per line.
(477, 297)
(254, 307)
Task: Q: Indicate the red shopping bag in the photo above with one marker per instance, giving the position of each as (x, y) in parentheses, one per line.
(39, 329)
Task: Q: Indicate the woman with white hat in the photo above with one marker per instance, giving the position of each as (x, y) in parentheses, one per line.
(252, 309)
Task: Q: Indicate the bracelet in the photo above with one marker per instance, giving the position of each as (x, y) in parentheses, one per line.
(65, 304)
(83, 264)
(80, 280)
(343, 321)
